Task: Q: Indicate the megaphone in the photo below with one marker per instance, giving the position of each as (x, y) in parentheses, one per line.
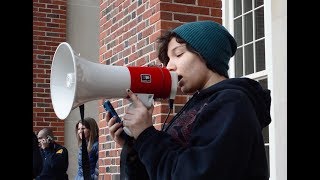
(75, 80)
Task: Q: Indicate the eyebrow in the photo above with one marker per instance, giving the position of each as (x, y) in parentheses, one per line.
(178, 47)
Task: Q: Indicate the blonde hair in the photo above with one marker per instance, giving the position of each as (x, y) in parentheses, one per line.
(92, 125)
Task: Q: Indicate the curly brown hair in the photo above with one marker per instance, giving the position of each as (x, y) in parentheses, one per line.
(163, 42)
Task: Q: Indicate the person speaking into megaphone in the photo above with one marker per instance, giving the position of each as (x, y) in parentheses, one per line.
(218, 132)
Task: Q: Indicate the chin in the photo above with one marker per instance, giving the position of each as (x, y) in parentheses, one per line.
(188, 90)
(185, 90)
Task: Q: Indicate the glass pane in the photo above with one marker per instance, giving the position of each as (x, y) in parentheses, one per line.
(248, 59)
(260, 56)
(247, 5)
(238, 60)
(237, 6)
(264, 83)
(238, 31)
(265, 133)
(258, 3)
(248, 28)
(267, 154)
(259, 21)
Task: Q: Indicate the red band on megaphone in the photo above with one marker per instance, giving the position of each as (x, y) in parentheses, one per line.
(151, 80)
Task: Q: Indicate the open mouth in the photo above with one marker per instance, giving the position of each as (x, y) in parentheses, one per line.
(179, 77)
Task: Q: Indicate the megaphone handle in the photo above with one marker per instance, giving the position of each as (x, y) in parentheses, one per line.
(146, 99)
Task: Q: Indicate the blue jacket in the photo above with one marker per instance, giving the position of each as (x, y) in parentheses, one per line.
(55, 163)
(93, 159)
(217, 135)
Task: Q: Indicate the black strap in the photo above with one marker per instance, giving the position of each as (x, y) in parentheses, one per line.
(85, 155)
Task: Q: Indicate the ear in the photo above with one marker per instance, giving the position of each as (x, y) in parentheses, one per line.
(49, 138)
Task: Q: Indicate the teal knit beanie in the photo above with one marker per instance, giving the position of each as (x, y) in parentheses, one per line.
(215, 44)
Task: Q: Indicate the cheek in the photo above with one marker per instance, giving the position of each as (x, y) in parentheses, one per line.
(188, 63)
(189, 71)
(86, 133)
(194, 77)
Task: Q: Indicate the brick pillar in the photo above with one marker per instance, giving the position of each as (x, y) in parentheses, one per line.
(128, 31)
(49, 29)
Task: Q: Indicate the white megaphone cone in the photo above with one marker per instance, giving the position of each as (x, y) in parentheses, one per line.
(74, 81)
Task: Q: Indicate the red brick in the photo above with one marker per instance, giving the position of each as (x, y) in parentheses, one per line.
(45, 47)
(186, 1)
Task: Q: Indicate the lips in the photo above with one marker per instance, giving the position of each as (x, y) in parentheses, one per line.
(179, 81)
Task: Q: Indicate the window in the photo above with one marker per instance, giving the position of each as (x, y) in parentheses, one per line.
(246, 21)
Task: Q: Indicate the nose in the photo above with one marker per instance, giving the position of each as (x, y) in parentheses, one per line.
(171, 66)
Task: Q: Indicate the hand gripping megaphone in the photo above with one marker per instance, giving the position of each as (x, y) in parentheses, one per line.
(75, 80)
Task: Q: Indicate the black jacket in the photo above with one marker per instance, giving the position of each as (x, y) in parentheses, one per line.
(217, 135)
(37, 159)
(55, 163)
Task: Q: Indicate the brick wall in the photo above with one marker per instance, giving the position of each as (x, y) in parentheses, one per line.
(49, 29)
(128, 31)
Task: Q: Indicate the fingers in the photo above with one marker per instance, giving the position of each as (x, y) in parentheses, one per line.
(134, 98)
(108, 116)
(118, 132)
(113, 126)
(110, 120)
(115, 129)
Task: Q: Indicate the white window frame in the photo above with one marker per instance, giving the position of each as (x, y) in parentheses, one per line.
(275, 19)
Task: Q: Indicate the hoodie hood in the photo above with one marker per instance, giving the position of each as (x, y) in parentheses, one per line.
(260, 98)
